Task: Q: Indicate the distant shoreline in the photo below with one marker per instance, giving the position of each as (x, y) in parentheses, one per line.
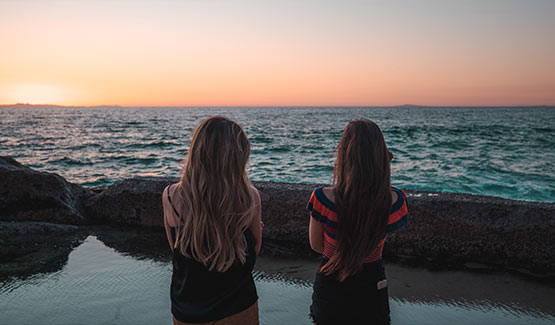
(273, 106)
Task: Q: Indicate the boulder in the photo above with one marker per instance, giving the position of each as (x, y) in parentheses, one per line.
(36, 247)
(30, 195)
(444, 228)
(134, 202)
(285, 217)
(455, 228)
(138, 202)
(138, 242)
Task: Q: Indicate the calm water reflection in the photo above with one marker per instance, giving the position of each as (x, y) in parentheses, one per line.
(101, 286)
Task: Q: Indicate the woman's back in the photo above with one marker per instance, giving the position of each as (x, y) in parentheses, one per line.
(199, 294)
(322, 207)
(212, 219)
(348, 225)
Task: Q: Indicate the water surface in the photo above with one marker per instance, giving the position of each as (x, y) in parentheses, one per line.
(507, 152)
(100, 285)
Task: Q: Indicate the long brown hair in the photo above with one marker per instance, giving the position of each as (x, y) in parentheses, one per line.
(218, 198)
(362, 189)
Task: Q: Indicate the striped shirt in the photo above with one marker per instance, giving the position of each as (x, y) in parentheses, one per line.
(323, 211)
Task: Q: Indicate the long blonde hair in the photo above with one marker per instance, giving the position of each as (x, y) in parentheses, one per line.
(218, 199)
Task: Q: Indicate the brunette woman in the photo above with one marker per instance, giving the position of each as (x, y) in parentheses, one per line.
(348, 225)
(212, 219)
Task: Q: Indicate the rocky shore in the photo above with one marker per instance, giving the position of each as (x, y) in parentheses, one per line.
(42, 210)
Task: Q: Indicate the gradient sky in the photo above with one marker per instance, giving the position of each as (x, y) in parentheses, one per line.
(189, 53)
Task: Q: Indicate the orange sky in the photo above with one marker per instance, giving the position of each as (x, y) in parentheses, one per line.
(271, 53)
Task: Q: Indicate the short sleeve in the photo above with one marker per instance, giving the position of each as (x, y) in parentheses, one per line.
(310, 205)
(398, 215)
(314, 207)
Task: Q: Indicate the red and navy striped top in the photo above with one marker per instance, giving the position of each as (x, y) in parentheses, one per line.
(323, 211)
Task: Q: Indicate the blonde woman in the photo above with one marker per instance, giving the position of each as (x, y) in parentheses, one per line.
(212, 219)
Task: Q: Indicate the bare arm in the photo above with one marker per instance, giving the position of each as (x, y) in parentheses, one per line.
(170, 219)
(316, 236)
(256, 224)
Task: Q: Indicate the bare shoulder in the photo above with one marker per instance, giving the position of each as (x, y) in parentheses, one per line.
(171, 204)
(255, 194)
(329, 193)
(171, 189)
(172, 193)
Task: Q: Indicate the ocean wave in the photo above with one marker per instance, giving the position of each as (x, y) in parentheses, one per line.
(501, 152)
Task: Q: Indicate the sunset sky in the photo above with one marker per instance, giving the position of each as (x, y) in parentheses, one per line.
(277, 53)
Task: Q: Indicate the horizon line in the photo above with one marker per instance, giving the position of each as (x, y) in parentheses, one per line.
(268, 106)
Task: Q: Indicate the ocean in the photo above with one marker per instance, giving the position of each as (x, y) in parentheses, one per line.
(499, 151)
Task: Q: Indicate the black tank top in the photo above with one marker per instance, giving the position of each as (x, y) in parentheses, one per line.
(199, 295)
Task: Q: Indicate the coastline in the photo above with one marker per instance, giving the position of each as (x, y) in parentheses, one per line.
(445, 230)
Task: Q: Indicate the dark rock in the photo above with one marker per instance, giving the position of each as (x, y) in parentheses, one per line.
(138, 202)
(35, 247)
(139, 242)
(490, 230)
(447, 228)
(284, 215)
(9, 230)
(30, 195)
(135, 202)
(443, 229)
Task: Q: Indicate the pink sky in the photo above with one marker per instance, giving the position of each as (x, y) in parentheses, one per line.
(235, 53)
